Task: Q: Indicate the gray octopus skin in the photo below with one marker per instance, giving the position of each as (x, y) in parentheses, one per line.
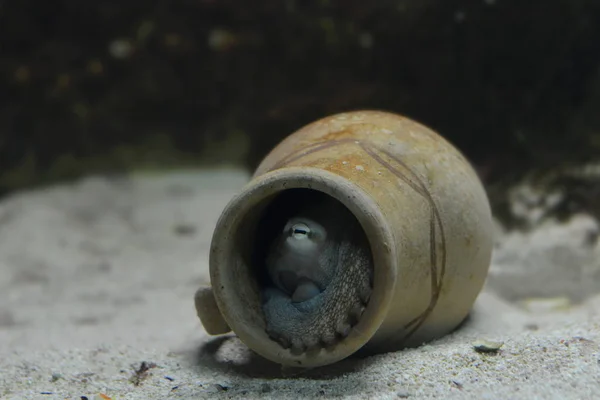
(322, 277)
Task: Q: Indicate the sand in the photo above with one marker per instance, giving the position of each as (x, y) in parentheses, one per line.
(96, 297)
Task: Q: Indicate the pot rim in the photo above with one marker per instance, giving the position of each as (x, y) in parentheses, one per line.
(372, 221)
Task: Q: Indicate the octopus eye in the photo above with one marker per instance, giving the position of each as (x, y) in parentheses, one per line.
(300, 231)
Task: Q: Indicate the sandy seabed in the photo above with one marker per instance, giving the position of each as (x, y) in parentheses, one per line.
(97, 280)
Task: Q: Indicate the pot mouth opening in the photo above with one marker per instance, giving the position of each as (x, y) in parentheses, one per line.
(241, 240)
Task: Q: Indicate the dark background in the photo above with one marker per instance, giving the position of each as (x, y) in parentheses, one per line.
(109, 85)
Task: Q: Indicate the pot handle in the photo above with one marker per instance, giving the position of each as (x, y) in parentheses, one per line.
(209, 313)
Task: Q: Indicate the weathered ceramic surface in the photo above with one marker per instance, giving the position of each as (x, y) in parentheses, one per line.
(421, 205)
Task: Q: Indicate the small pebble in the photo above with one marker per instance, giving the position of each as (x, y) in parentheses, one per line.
(486, 346)
(55, 376)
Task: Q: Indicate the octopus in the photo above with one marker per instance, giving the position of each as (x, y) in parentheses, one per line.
(320, 274)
